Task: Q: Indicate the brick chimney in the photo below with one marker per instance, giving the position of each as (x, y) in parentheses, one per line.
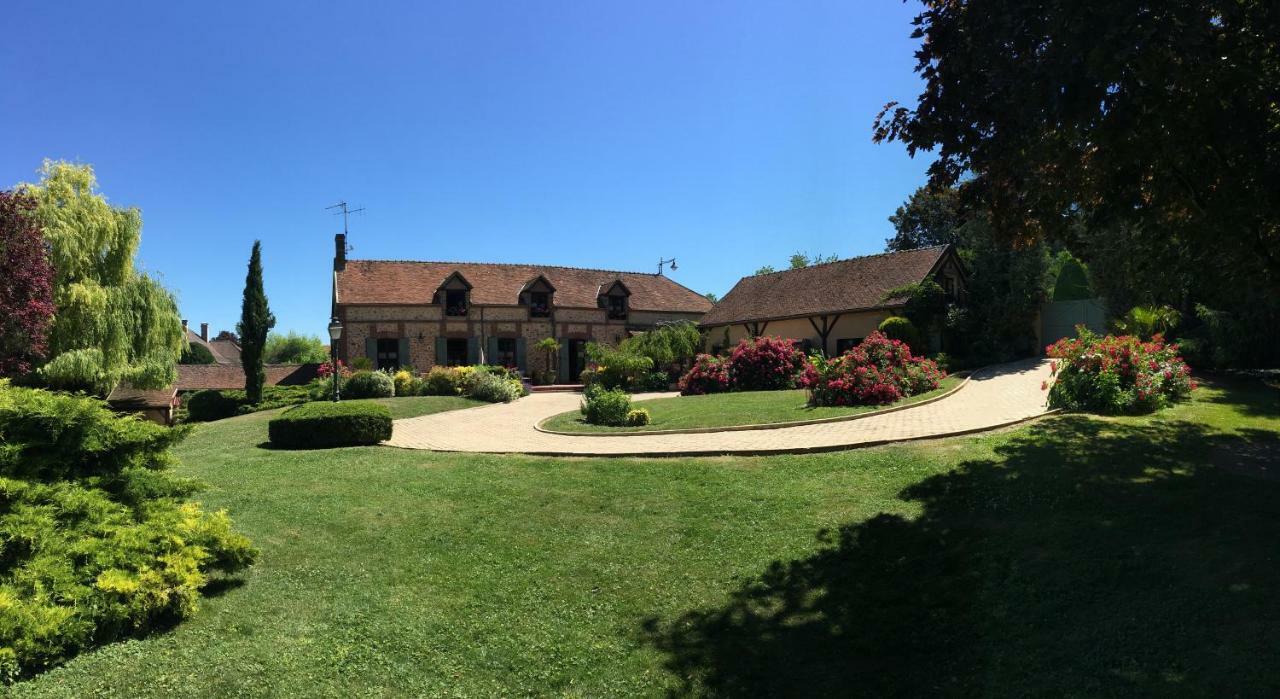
(204, 332)
(339, 252)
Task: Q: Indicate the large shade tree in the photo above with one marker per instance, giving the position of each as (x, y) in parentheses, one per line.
(26, 286)
(1158, 118)
(113, 321)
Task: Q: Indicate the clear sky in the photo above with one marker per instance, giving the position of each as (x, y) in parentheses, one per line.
(594, 134)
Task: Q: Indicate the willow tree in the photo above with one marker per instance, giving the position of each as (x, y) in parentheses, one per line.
(112, 321)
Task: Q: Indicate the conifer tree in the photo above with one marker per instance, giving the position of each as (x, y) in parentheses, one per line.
(255, 323)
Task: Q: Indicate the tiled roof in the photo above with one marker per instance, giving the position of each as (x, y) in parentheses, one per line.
(833, 287)
(394, 282)
(196, 377)
(125, 396)
(223, 351)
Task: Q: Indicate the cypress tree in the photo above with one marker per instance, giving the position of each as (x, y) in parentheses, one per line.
(255, 322)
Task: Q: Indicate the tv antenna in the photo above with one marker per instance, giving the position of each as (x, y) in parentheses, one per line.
(345, 212)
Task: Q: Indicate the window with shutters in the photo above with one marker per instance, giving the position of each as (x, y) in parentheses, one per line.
(388, 354)
(456, 351)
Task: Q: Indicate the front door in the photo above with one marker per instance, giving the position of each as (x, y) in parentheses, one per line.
(577, 360)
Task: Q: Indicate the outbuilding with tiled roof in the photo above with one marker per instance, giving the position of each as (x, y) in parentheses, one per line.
(829, 306)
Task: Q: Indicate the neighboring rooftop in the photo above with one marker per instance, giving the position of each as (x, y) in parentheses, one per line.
(224, 352)
(196, 377)
(845, 285)
(126, 397)
(375, 282)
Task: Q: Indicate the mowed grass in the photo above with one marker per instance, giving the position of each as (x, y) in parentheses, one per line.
(1073, 556)
(413, 406)
(732, 409)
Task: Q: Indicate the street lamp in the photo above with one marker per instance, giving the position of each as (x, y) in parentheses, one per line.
(335, 332)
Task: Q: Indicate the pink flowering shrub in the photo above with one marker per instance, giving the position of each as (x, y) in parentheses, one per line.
(876, 372)
(325, 370)
(1114, 374)
(765, 364)
(710, 374)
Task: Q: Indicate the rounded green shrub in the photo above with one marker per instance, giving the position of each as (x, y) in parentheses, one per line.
(495, 388)
(638, 417)
(607, 407)
(207, 406)
(442, 381)
(320, 425)
(369, 384)
(899, 328)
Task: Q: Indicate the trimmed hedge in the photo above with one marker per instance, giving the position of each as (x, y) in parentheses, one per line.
(210, 405)
(320, 425)
(369, 384)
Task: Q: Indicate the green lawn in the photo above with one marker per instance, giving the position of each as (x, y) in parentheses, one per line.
(728, 409)
(413, 406)
(1073, 556)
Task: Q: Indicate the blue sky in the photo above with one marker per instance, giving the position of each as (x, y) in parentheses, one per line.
(595, 134)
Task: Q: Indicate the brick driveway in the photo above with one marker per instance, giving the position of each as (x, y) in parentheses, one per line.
(994, 397)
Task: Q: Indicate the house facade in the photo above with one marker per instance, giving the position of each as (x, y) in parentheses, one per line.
(829, 307)
(424, 314)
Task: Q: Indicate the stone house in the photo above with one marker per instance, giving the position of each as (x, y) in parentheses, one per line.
(831, 306)
(400, 313)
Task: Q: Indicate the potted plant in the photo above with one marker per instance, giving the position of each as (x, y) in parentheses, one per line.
(550, 348)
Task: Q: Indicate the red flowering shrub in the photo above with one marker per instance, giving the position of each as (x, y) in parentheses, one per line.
(325, 370)
(876, 372)
(1116, 374)
(765, 364)
(710, 374)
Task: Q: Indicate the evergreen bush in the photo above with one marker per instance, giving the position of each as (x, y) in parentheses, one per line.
(321, 425)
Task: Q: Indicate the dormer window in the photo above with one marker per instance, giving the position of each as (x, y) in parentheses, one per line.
(536, 294)
(617, 307)
(613, 299)
(455, 303)
(454, 296)
(539, 304)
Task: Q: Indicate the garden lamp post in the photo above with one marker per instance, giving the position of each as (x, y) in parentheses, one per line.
(335, 332)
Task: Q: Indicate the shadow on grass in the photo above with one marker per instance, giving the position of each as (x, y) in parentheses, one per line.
(1263, 395)
(1091, 557)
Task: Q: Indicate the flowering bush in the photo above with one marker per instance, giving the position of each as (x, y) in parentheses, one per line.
(325, 370)
(876, 372)
(765, 364)
(1116, 373)
(710, 374)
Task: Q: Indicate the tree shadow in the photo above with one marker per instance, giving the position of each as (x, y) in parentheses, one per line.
(1092, 558)
(1263, 395)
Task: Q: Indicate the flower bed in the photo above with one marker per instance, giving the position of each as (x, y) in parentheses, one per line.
(758, 364)
(876, 372)
(1115, 374)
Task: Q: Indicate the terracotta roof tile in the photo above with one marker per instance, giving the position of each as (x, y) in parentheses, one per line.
(125, 396)
(396, 282)
(196, 377)
(856, 283)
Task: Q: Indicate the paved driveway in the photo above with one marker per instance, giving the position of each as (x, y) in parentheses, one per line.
(994, 397)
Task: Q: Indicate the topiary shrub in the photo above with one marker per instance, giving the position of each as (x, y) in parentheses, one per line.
(321, 425)
(403, 381)
(207, 406)
(638, 417)
(369, 384)
(899, 328)
(606, 406)
(495, 388)
(1116, 374)
(765, 364)
(99, 541)
(710, 374)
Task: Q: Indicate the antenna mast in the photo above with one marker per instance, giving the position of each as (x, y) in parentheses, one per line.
(345, 212)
